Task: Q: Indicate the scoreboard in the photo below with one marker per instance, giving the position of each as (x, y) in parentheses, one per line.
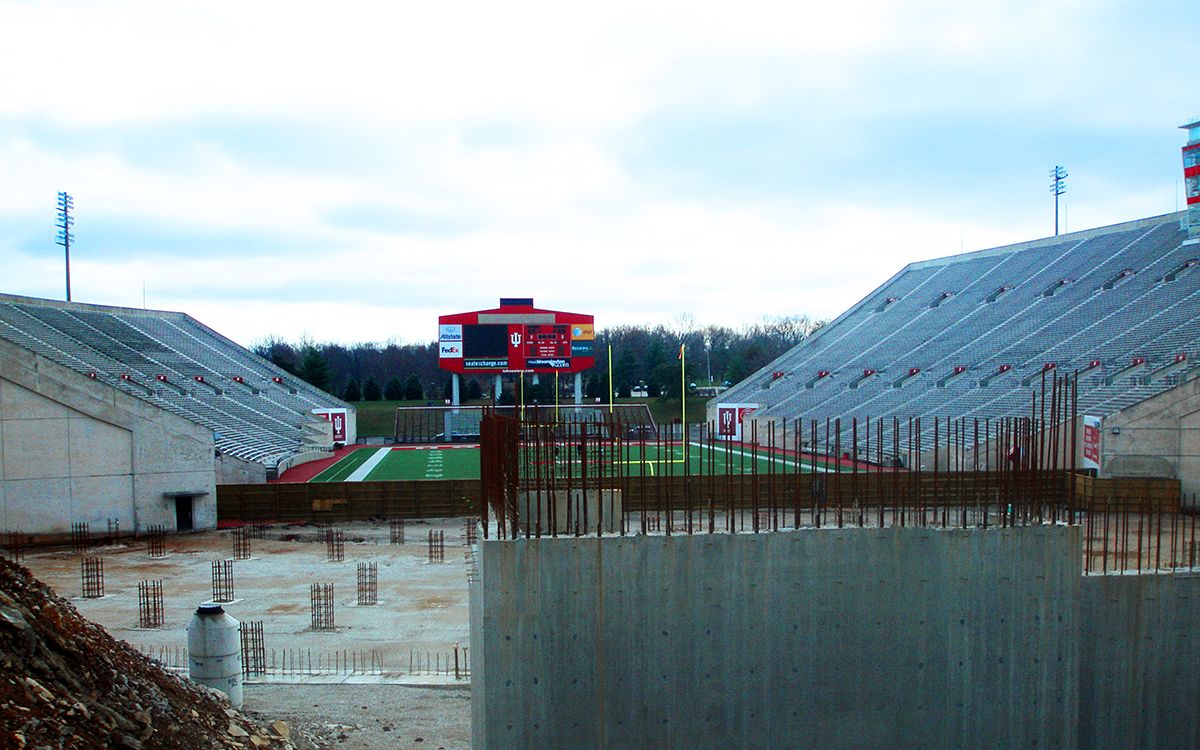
(516, 337)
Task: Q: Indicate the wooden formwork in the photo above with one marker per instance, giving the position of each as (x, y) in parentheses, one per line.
(347, 501)
(1158, 494)
(806, 490)
(351, 501)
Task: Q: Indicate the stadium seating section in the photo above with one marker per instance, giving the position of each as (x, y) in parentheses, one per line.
(1117, 295)
(169, 359)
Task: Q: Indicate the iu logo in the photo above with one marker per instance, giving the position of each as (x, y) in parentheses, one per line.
(515, 338)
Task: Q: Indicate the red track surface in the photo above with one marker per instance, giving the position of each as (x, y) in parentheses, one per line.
(305, 472)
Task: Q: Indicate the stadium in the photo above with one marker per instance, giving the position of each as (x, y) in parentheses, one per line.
(975, 337)
(911, 497)
(131, 418)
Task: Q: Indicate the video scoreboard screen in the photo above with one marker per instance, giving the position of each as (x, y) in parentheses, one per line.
(516, 337)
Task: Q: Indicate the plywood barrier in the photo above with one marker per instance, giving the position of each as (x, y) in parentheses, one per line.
(1159, 494)
(347, 501)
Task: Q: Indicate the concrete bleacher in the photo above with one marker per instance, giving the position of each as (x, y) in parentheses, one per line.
(1106, 294)
(159, 356)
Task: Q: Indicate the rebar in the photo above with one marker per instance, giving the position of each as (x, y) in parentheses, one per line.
(258, 530)
(156, 541)
(335, 545)
(222, 581)
(241, 543)
(114, 531)
(469, 525)
(292, 662)
(150, 604)
(368, 583)
(397, 533)
(455, 662)
(92, 572)
(14, 545)
(546, 479)
(321, 596)
(254, 652)
(81, 538)
(437, 546)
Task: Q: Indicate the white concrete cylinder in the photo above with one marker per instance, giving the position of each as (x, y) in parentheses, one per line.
(215, 651)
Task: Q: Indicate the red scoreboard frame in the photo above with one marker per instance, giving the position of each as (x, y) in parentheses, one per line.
(516, 337)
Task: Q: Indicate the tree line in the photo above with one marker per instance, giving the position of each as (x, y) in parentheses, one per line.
(645, 358)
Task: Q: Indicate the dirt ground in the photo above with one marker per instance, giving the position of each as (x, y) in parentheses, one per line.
(369, 717)
(420, 615)
(383, 678)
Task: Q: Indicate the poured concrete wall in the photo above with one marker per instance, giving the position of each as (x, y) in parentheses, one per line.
(1140, 662)
(1158, 437)
(73, 450)
(857, 638)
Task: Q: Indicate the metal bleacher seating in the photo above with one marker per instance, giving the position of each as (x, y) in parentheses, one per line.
(1109, 294)
(173, 361)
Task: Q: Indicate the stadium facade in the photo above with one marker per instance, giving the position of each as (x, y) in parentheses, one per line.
(118, 415)
(972, 336)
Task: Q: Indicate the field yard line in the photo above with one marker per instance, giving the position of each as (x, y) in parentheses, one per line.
(362, 471)
(771, 459)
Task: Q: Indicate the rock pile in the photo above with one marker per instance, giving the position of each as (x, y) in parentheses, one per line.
(66, 683)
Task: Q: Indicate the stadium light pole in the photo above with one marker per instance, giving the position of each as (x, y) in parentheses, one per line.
(65, 220)
(1057, 186)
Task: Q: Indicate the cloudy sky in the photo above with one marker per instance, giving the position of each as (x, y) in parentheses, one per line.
(350, 171)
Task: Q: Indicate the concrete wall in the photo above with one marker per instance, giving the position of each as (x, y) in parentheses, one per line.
(856, 638)
(75, 450)
(233, 470)
(1139, 657)
(1157, 437)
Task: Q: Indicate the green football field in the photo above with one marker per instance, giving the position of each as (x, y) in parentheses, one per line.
(635, 459)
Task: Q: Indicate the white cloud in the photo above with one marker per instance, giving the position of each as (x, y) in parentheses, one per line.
(354, 170)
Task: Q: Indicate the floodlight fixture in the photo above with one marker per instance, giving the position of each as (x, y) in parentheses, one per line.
(65, 221)
(1058, 186)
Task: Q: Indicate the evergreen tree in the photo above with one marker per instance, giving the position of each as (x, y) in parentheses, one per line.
(393, 391)
(656, 366)
(279, 353)
(474, 390)
(352, 393)
(625, 372)
(314, 370)
(542, 393)
(412, 388)
(371, 390)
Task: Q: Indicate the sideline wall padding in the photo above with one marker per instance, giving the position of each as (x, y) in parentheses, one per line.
(855, 638)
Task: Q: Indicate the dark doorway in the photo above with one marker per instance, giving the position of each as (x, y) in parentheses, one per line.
(183, 513)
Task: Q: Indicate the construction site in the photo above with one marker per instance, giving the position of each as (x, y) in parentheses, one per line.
(368, 604)
(962, 515)
(616, 586)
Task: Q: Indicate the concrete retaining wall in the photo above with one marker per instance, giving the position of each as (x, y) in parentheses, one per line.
(1158, 437)
(75, 450)
(1140, 662)
(857, 638)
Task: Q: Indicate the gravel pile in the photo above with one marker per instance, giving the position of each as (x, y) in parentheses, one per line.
(66, 683)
